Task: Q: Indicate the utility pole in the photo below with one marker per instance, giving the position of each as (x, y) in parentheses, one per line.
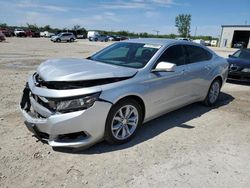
(156, 32)
(195, 31)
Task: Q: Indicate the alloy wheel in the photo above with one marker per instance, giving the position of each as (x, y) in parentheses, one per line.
(214, 92)
(125, 122)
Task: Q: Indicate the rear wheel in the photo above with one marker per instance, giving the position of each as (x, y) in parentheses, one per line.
(213, 93)
(123, 121)
(71, 40)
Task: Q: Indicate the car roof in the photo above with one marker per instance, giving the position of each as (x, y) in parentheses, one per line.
(159, 41)
(166, 42)
(66, 33)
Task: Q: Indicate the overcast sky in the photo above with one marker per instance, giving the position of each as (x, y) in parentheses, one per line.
(129, 15)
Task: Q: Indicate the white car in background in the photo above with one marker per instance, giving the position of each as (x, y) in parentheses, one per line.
(93, 35)
(19, 32)
(200, 41)
(214, 43)
(46, 34)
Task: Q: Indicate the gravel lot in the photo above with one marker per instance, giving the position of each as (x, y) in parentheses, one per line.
(195, 146)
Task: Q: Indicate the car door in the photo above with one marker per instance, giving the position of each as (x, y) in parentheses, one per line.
(170, 90)
(198, 69)
(64, 37)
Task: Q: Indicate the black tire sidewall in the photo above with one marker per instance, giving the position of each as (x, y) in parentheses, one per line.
(108, 136)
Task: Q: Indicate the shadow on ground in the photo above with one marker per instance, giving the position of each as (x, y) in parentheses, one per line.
(155, 127)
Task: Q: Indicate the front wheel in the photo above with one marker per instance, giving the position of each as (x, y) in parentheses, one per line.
(123, 121)
(213, 93)
(71, 40)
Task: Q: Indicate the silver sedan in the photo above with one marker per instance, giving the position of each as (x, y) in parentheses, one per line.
(78, 102)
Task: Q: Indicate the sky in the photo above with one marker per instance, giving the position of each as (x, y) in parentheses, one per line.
(130, 15)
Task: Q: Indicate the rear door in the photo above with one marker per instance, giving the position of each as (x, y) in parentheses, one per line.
(198, 69)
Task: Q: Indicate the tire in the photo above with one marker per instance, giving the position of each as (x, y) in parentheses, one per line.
(213, 93)
(71, 40)
(119, 130)
(58, 40)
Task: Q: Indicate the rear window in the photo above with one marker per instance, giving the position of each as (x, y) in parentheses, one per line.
(197, 54)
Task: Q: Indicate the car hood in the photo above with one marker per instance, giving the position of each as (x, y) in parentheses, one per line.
(81, 70)
(239, 62)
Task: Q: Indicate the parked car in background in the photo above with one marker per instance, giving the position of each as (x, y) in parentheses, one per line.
(180, 38)
(32, 33)
(2, 36)
(66, 37)
(92, 35)
(46, 34)
(6, 32)
(239, 65)
(240, 44)
(117, 38)
(207, 43)
(19, 32)
(200, 41)
(78, 102)
(214, 43)
(102, 38)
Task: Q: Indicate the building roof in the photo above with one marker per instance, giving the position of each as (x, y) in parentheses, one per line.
(235, 26)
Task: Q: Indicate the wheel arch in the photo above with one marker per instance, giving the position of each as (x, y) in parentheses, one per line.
(219, 77)
(137, 99)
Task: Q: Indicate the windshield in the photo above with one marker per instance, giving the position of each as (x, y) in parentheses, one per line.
(242, 54)
(134, 55)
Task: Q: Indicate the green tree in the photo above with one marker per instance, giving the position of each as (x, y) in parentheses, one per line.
(3, 25)
(47, 28)
(32, 26)
(183, 22)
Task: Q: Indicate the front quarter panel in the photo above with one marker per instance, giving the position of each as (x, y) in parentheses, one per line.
(135, 86)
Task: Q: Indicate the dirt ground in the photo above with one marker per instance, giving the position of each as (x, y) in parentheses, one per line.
(195, 146)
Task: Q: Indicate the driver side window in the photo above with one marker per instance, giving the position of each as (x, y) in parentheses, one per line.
(174, 54)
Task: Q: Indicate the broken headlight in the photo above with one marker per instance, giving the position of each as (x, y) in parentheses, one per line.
(73, 104)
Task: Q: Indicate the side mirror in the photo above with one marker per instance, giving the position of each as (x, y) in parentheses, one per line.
(230, 55)
(164, 67)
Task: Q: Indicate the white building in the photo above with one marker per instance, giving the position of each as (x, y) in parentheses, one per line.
(231, 34)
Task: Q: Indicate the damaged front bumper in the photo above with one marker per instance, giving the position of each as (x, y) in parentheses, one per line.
(73, 129)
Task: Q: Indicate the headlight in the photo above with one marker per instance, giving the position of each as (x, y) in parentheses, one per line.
(246, 70)
(73, 104)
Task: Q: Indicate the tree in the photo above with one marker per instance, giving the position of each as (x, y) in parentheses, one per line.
(32, 26)
(183, 22)
(76, 27)
(3, 25)
(47, 28)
